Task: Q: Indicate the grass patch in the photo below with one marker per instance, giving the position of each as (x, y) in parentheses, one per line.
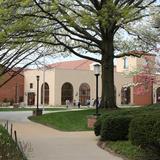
(8, 148)
(77, 120)
(131, 152)
(65, 121)
(28, 109)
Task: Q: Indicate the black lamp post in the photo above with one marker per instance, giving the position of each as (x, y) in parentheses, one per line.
(97, 73)
(37, 92)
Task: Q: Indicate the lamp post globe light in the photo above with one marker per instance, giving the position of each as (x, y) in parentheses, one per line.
(97, 73)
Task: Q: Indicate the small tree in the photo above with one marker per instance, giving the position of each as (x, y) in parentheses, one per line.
(145, 77)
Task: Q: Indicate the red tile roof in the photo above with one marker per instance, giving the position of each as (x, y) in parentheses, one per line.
(76, 64)
(141, 53)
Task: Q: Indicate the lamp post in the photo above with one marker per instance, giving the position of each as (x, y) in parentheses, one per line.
(37, 92)
(44, 69)
(97, 73)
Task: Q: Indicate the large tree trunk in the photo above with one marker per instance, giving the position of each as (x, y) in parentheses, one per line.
(108, 90)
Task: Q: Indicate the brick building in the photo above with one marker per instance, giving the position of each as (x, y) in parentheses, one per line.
(13, 90)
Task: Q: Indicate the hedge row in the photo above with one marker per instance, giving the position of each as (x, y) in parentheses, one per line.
(141, 127)
(144, 131)
(113, 127)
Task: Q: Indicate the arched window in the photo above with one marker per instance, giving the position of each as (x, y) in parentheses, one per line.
(125, 95)
(46, 93)
(84, 93)
(66, 92)
(158, 95)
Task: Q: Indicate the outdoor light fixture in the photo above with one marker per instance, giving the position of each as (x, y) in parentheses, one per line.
(97, 69)
(97, 73)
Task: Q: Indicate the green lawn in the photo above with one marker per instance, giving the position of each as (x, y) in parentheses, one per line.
(129, 151)
(29, 109)
(65, 121)
(77, 120)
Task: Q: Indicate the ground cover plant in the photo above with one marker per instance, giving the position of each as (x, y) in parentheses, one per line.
(129, 151)
(8, 148)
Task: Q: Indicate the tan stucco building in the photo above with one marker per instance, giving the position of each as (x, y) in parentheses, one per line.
(75, 77)
(75, 81)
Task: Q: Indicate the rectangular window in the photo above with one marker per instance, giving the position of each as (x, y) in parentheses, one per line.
(31, 85)
(125, 63)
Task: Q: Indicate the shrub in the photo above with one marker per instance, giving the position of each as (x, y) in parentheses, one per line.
(115, 113)
(98, 124)
(97, 127)
(133, 112)
(144, 131)
(115, 127)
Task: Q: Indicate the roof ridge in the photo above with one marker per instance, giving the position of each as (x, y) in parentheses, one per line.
(84, 61)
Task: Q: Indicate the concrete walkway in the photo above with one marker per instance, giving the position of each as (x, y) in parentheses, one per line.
(45, 143)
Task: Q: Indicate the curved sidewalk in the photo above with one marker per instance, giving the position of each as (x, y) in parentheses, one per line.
(51, 144)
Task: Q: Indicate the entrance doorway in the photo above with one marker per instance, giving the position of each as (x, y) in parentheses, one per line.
(84, 93)
(31, 98)
(66, 93)
(125, 95)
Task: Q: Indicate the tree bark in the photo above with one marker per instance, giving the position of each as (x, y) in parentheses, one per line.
(108, 89)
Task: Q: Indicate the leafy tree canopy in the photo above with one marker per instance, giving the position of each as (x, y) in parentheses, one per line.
(81, 27)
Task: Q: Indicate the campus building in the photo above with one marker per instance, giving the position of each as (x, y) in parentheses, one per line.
(75, 81)
(13, 90)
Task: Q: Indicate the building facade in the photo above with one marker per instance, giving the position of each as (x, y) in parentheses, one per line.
(73, 81)
(13, 90)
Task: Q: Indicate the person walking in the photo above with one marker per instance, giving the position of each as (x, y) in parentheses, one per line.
(67, 103)
(79, 104)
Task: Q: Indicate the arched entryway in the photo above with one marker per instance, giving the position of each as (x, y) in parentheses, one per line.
(66, 92)
(125, 95)
(46, 93)
(84, 93)
(158, 95)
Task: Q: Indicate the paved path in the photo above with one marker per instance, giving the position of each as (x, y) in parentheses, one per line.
(50, 144)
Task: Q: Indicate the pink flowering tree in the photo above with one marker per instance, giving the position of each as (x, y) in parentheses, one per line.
(145, 78)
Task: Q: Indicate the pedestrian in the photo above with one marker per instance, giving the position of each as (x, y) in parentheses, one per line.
(92, 102)
(74, 102)
(88, 103)
(99, 102)
(67, 103)
(79, 104)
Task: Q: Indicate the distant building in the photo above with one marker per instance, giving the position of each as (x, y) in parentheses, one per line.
(13, 90)
(142, 89)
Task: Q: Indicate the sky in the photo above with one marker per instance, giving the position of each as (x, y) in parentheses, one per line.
(54, 59)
